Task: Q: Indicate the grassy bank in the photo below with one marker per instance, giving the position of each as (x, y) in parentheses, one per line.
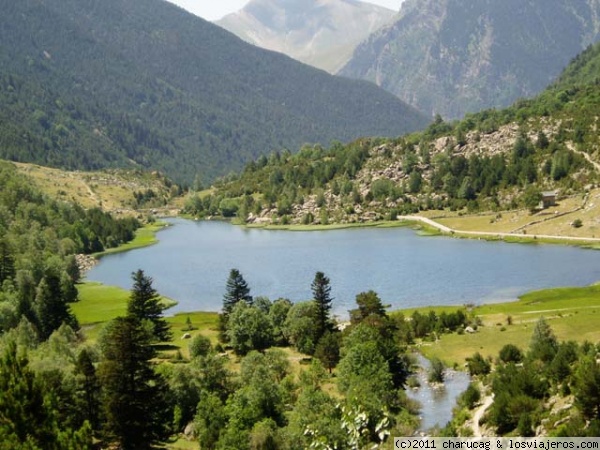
(573, 314)
(333, 226)
(99, 303)
(144, 237)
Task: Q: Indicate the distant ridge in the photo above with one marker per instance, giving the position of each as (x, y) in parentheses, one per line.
(457, 56)
(322, 33)
(86, 84)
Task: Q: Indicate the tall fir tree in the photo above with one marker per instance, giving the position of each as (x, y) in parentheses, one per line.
(29, 418)
(322, 296)
(144, 305)
(52, 309)
(7, 262)
(88, 388)
(236, 290)
(136, 411)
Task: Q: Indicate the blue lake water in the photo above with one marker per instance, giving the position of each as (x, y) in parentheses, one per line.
(192, 261)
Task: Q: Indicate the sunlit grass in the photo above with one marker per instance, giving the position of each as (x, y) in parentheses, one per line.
(144, 237)
(573, 314)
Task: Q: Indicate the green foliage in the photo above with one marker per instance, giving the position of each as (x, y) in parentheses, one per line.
(278, 314)
(510, 353)
(587, 387)
(544, 344)
(30, 416)
(236, 290)
(145, 307)
(141, 96)
(248, 328)
(435, 180)
(134, 396)
(471, 396)
(368, 303)
(436, 373)
(210, 419)
(478, 365)
(52, 309)
(200, 346)
(321, 291)
(328, 350)
(301, 327)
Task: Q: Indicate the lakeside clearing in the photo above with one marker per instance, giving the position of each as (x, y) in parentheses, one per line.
(572, 312)
(144, 237)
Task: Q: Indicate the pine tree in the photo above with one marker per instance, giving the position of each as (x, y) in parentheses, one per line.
(236, 290)
(88, 387)
(322, 296)
(135, 408)
(7, 262)
(27, 419)
(51, 307)
(144, 305)
(544, 344)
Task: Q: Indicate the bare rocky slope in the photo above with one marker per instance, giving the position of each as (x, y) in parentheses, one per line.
(457, 56)
(322, 33)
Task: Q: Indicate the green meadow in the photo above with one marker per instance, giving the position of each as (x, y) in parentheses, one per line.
(144, 237)
(99, 303)
(572, 312)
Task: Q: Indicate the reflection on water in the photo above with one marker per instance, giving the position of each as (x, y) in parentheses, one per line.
(437, 401)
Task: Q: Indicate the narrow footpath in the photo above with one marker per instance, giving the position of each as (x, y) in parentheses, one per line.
(448, 230)
(487, 402)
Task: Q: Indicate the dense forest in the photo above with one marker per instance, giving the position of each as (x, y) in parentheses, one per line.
(39, 239)
(492, 160)
(93, 84)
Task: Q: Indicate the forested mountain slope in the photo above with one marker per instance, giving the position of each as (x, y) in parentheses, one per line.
(457, 56)
(88, 84)
(322, 33)
(492, 160)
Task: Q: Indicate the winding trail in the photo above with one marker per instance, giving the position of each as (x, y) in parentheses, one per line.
(487, 402)
(448, 230)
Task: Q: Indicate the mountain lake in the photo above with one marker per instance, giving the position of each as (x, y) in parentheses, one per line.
(192, 260)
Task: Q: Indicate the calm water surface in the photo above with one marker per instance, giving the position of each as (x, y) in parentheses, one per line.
(192, 261)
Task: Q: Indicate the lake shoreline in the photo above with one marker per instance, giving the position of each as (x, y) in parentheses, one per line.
(428, 227)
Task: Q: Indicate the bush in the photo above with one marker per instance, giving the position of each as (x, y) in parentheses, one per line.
(478, 365)
(510, 353)
(436, 373)
(200, 346)
(471, 396)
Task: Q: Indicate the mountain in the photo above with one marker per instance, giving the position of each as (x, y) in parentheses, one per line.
(322, 33)
(494, 160)
(86, 84)
(456, 56)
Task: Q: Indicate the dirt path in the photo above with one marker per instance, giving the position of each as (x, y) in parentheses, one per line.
(446, 229)
(487, 402)
(585, 155)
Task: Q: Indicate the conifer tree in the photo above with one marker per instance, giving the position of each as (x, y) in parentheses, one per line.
(27, 419)
(144, 305)
(7, 262)
(88, 387)
(236, 290)
(134, 396)
(322, 296)
(51, 308)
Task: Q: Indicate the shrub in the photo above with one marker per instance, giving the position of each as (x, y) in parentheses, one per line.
(200, 346)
